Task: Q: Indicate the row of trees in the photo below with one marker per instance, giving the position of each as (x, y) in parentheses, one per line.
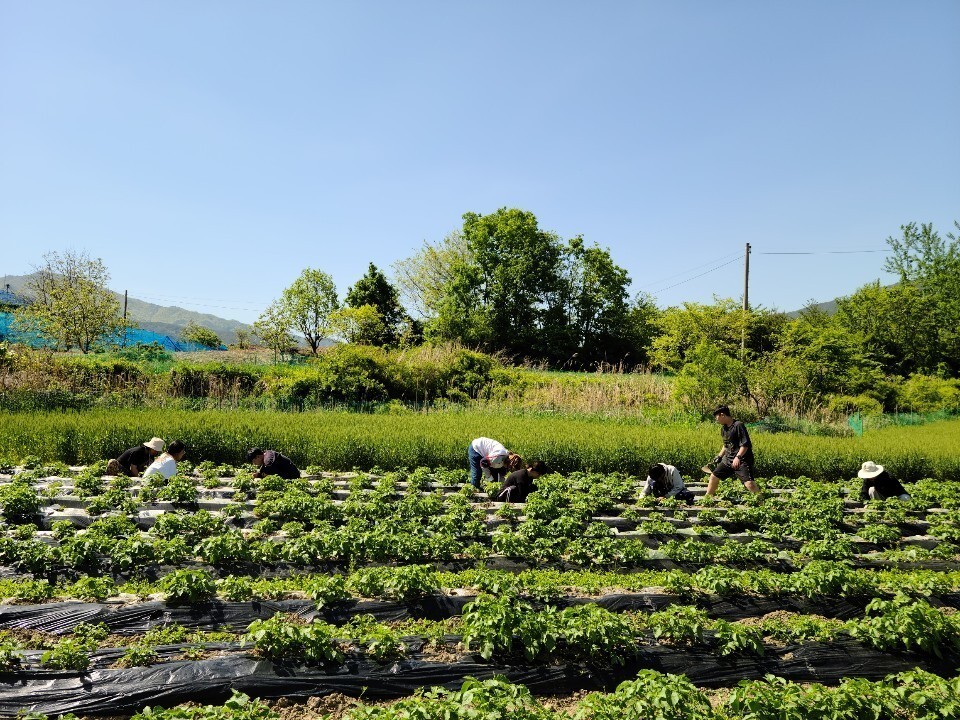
(885, 346)
(503, 285)
(371, 315)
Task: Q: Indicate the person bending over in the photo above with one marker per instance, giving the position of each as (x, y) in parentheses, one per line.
(166, 464)
(878, 485)
(488, 459)
(520, 483)
(134, 461)
(664, 481)
(270, 462)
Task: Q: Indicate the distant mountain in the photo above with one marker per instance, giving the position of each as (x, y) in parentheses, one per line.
(165, 320)
(829, 308)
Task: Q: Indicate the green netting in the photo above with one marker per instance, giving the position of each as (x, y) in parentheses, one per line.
(855, 422)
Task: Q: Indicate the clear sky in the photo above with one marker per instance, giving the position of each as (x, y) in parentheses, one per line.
(208, 150)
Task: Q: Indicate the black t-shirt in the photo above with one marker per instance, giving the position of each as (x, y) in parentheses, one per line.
(735, 437)
(522, 483)
(138, 456)
(276, 464)
(885, 485)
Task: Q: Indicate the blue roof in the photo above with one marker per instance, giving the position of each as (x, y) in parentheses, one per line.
(9, 298)
(10, 333)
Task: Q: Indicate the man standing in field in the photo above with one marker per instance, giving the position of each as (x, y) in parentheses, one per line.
(736, 455)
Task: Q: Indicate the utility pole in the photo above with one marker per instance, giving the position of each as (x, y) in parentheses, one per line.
(746, 300)
(124, 318)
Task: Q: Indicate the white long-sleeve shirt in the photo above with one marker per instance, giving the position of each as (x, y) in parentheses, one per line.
(673, 481)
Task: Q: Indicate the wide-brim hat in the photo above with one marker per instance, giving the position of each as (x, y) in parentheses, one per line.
(869, 470)
(154, 444)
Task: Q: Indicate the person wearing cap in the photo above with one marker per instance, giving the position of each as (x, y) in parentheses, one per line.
(664, 481)
(878, 485)
(166, 464)
(135, 460)
(270, 462)
(736, 455)
(487, 459)
(520, 483)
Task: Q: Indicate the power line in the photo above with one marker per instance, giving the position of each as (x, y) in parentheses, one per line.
(824, 252)
(196, 304)
(692, 269)
(729, 262)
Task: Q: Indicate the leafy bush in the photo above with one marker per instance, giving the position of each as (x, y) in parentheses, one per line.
(401, 583)
(280, 639)
(67, 654)
(19, 501)
(188, 586)
(652, 696)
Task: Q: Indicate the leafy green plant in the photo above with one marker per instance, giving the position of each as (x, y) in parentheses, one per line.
(282, 640)
(679, 624)
(593, 633)
(11, 656)
(401, 583)
(139, 655)
(902, 623)
(188, 586)
(67, 654)
(652, 696)
(19, 501)
(497, 625)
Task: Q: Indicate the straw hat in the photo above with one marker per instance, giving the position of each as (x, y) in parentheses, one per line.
(869, 470)
(154, 444)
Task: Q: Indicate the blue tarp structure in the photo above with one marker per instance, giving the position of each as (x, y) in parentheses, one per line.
(10, 333)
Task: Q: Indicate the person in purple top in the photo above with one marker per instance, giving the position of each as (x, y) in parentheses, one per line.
(270, 462)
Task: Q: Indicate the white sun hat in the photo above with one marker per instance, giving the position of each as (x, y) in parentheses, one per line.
(154, 444)
(869, 470)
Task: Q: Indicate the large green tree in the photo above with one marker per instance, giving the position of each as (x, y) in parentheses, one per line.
(723, 324)
(422, 279)
(922, 258)
(308, 304)
(71, 303)
(513, 287)
(376, 291)
(273, 328)
(598, 306)
(899, 325)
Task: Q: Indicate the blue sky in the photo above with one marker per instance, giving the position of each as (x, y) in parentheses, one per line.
(208, 151)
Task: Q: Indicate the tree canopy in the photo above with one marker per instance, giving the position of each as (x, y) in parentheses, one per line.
(308, 304)
(71, 304)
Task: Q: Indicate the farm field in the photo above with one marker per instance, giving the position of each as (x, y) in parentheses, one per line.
(332, 440)
(347, 592)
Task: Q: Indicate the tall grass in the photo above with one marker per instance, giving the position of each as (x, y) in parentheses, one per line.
(343, 440)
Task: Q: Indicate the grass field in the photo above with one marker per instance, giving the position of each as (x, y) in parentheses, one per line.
(338, 440)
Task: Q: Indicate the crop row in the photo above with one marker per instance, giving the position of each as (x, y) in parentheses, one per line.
(579, 519)
(914, 695)
(507, 629)
(439, 439)
(822, 582)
